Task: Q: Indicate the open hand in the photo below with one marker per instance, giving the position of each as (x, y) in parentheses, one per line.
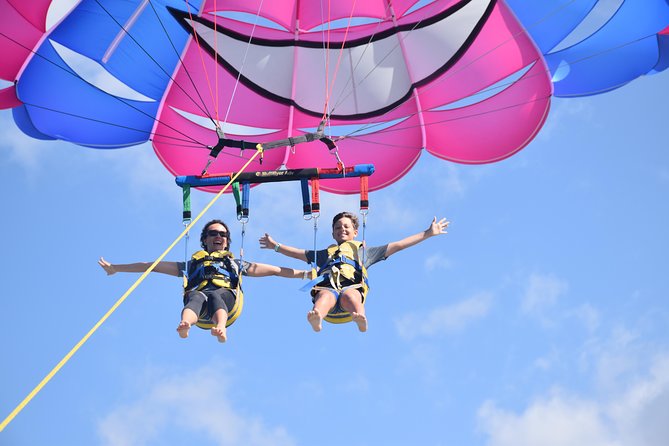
(108, 267)
(267, 242)
(438, 227)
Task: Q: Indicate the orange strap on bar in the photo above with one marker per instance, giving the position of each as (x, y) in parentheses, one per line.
(364, 193)
(315, 196)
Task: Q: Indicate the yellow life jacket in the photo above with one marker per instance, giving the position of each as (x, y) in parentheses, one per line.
(344, 262)
(219, 269)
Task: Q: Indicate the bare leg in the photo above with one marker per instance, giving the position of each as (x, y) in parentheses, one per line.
(325, 301)
(188, 318)
(351, 301)
(220, 318)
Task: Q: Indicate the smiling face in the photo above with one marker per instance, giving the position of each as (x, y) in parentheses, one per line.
(344, 229)
(215, 237)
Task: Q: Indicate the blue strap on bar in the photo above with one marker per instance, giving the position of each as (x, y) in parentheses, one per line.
(246, 192)
(306, 202)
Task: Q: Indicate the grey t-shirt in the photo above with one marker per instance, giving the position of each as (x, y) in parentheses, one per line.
(371, 255)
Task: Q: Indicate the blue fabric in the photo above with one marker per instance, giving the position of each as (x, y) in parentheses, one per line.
(23, 122)
(61, 104)
(624, 48)
(550, 21)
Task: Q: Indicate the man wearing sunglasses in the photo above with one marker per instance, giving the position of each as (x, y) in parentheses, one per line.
(213, 296)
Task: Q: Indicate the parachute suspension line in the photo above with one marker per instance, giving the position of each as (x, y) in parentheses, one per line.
(487, 90)
(204, 67)
(201, 106)
(326, 47)
(471, 115)
(125, 31)
(331, 85)
(241, 69)
(106, 316)
(355, 67)
(220, 132)
(451, 73)
(216, 65)
(363, 78)
(71, 73)
(86, 118)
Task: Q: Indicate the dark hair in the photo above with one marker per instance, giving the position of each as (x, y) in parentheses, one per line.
(346, 214)
(203, 235)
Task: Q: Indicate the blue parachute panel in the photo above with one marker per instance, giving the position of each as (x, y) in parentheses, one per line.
(663, 60)
(71, 105)
(548, 21)
(68, 108)
(136, 56)
(614, 55)
(23, 122)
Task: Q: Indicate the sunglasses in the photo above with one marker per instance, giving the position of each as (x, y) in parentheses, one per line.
(211, 233)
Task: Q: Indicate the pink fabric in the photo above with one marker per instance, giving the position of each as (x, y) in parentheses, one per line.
(8, 98)
(34, 11)
(483, 132)
(23, 22)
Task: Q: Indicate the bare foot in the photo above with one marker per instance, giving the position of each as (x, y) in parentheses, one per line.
(315, 319)
(183, 328)
(220, 333)
(361, 320)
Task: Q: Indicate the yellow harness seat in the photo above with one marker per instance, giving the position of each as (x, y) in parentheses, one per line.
(343, 270)
(216, 268)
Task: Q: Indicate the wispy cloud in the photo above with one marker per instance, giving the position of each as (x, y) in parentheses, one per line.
(177, 402)
(563, 110)
(541, 293)
(138, 167)
(20, 149)
(445, 319)
(588, 316)
(437, 262)
(634, 416)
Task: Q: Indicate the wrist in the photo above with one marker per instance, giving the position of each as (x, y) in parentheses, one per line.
(276, 247)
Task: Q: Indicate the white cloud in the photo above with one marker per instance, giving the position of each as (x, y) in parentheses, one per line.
(138, 166)
(542, 292)
(633, 416)
(565, 110)
(437, 261)
(588, 316)
(144, 174)
(444, 319)
(19, 148)
(554, 421)
(626, 404)
(178, 401)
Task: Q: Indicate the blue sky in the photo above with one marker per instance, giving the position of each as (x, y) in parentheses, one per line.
(540, 318)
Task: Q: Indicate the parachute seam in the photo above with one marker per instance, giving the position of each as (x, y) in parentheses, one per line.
(203, 110)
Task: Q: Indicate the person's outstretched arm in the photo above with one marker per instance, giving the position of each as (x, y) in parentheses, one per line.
(436, 228)
(170, 268)
(263, 270)
(267, 242)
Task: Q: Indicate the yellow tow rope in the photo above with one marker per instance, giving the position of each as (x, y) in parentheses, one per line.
(47, 378)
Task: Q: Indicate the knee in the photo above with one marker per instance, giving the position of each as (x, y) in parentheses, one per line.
(351, 297)
(324, 296)
(195, 298)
